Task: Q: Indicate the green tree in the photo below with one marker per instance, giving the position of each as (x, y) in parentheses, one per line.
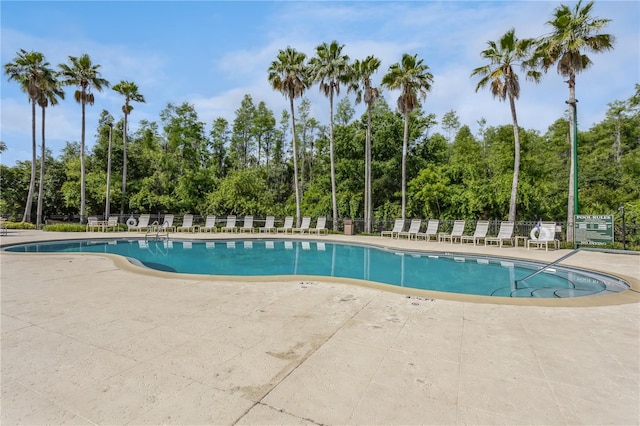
(450, 124)
(573, 32)
(27, 69)
(49, 91)
(365, 91)
(503, 56)
(288, 75)
(330, 68)
(83, 73)
(131, 93)
(414, 80)
(242, 138)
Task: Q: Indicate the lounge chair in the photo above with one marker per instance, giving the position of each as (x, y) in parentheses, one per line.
(167, 224)
(247, 224)
(112, 223)
(187, 224)
(269, 225)
(230, 226)
(482, 227)
(432, 230)
(414, 228)
(321, 226)
(397, 228)
(142, 224)
(209, 225)
(505, 233)
(456, 232)
(304, 226)
(93, 223)
(287, 226)
(546, 235)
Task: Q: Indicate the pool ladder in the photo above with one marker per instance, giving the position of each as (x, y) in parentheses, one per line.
(156, 235)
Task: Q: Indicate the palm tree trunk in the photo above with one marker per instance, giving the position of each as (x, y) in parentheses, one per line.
(295, 161)
(124, 165)
(516, 161)
(573, 166)
(367, 175)
(32, 184)
(83, 207)
(41, 187)
(334, 201)
(404, 163)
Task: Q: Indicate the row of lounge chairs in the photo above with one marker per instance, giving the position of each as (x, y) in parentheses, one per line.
(230, 225)
(506, 233)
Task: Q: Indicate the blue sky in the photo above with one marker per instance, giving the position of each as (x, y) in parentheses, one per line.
(212, 53)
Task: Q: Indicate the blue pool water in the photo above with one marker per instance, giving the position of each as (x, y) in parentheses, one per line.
(459, 273)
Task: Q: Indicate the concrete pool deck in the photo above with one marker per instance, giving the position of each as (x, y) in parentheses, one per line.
(89, 339)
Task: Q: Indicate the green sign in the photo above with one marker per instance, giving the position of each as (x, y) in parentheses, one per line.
(593, 229)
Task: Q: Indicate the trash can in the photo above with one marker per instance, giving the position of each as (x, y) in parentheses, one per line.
(348, 226)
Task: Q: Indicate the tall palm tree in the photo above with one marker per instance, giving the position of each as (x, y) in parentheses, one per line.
(129, 90)
(573, 32)
(503, 56)
(81, 72)
(330, 68)
(49, 92)
(26, 70)
(414, 80)
(361, 84)
(288, 74)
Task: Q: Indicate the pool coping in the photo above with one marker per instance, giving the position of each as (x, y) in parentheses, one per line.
(632, 295)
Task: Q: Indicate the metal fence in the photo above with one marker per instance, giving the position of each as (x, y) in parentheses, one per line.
(631, 232)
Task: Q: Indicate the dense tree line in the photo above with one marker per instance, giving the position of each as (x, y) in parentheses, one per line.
(385, 164)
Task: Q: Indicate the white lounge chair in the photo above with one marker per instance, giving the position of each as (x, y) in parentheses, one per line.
(167, 224)
(414, 228)
(304, 226)
(482, 227)
(142, 225)
(321, 226)
(456, 232)
(247, 224)
(269, 225)
(93, 223)
(112, 223)
(230, 226)
(397, 228)
(431, 231)
(505, 233)
(546, 235)
(187, 224)
(209, 224)
(287, 226)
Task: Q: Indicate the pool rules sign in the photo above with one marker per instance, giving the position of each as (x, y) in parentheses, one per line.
(593, 229)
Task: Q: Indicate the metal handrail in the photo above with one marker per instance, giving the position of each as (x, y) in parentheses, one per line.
(555, 262)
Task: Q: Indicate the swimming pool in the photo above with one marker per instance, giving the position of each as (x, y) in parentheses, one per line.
(459, 273)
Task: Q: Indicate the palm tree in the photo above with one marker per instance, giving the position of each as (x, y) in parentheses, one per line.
(361, 84)
(503, 55)
(49, 93)
(288, 75)
(129, 90)
(330, 68)
(574, 31)
(26, 70)
(81, 72)
(414, 80)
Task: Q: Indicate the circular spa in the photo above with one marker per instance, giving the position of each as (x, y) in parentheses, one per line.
(459, 273)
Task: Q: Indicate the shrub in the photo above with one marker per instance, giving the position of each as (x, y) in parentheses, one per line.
(20, 225)
(65, 227)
